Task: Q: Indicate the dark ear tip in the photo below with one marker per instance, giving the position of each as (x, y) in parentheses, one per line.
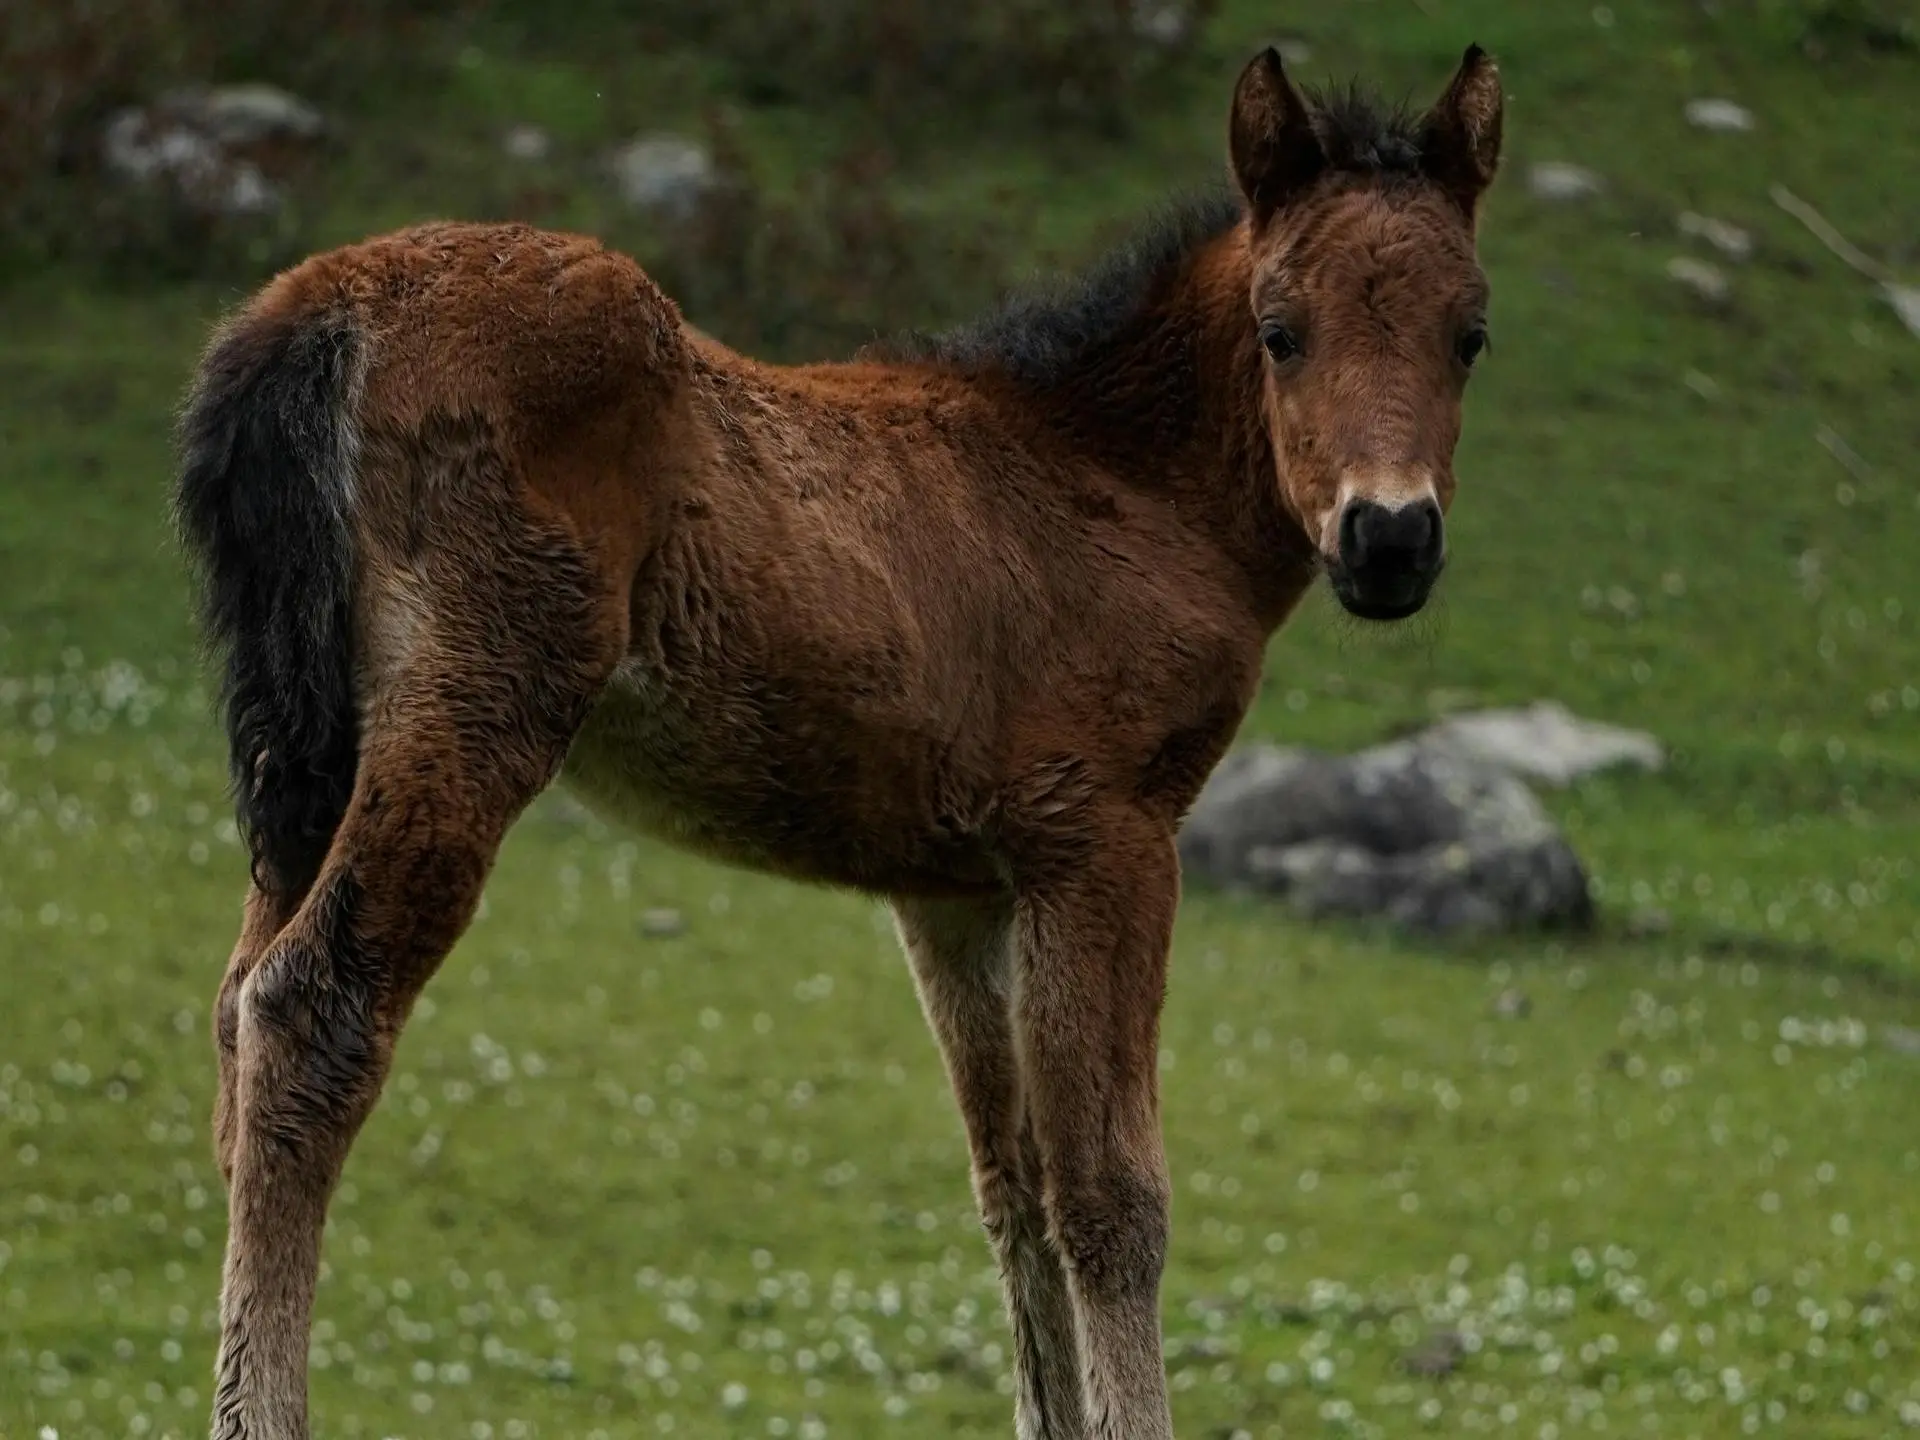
(1270, 57)
(1475, 55)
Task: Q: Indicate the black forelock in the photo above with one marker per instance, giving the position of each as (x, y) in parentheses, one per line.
(1362, 134)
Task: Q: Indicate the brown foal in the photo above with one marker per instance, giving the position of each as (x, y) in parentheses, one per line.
(964, 623)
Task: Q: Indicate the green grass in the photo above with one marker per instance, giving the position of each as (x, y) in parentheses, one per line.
(715, 1178)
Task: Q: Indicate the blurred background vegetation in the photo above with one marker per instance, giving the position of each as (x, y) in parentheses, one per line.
(668, 1150)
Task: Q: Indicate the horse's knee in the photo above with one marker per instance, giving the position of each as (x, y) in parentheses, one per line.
(1008, 1204)
(226, 1015)
(265, 916)
(308, 1044)
(226, 1039)
(1112, 1229)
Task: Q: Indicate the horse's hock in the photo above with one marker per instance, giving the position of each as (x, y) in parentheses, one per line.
(1436, 833)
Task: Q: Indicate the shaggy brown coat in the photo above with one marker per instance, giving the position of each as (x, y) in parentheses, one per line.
(963, 624)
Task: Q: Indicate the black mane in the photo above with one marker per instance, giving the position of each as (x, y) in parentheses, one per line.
(1042, 335)
(1039, 335)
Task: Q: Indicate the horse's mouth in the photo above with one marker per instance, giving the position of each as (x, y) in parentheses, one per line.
(1382, 598)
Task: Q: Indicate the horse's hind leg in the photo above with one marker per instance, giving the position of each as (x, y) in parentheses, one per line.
(962, 955)
(454, 746)
(266, 915)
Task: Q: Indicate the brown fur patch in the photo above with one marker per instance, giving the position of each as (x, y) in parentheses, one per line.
(965, 625)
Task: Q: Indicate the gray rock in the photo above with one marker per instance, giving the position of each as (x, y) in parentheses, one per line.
(526, 142)
(237, 116)
(1559, 181)
(665, 175)
(248, 191)
(1720, 115)
(1426, 836)
(1648, 921)
(136, 148)
(209, 147)
(662, 924)
(1729, 239)
(1435, 1357)
(1905, 300)
(154, 152)
(1513, 1004)
(1708, 282)
(1167, 23)
(1437, 832)
(1902, 1038)
(1545, 742)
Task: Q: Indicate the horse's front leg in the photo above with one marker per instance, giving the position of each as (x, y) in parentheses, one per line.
(962, 955)
(1092, 957)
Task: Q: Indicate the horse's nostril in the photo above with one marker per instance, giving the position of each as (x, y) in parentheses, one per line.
(1353, 532)
(1423, 532)
(1371, 535)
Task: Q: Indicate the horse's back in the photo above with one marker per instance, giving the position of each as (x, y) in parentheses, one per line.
(531, 329)
(538, 357)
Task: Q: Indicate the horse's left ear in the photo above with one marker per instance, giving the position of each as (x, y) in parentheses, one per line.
(1460, 136)
(1271, 141)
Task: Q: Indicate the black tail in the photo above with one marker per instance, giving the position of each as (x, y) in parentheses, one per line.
(267, 457)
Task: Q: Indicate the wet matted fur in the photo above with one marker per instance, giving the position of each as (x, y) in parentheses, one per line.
(963, 623)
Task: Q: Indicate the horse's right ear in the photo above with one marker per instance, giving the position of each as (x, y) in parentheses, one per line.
(1460, 136)
(1275, 152)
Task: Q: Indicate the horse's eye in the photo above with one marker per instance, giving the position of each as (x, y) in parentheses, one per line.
(1471, 344)
(1279, 342)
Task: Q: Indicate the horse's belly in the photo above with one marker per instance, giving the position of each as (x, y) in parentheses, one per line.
(636, 762)
(784, 793)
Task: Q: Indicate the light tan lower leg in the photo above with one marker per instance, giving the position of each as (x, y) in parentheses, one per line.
(962, 954)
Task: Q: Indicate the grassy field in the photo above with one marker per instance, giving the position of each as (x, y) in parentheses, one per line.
(710, 1184)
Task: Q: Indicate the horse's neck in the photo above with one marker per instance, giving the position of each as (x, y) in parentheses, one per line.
(1187, 400)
